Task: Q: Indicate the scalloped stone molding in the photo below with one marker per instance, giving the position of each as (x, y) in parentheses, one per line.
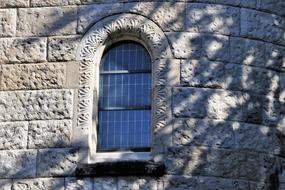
(105, 32)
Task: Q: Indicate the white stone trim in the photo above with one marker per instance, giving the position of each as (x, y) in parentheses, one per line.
(121, 156)
(104, 33)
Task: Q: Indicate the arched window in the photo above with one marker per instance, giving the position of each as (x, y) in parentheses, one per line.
(125, 98)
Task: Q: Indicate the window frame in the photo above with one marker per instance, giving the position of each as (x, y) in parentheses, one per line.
(104, 33)
(149, 71)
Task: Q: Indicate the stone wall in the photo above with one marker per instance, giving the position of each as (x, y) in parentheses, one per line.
(227, 107)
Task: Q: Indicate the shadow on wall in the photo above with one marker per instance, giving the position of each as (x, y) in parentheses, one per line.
(227, 110)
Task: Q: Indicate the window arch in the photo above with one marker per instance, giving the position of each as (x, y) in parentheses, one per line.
(125, 98)
(109, 30)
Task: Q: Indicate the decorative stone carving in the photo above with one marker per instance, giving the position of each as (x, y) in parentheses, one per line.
(103, 33)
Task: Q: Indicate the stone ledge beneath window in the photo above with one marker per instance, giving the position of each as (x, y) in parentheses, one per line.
(121, 168)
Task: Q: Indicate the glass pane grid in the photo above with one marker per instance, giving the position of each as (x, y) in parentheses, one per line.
(128, 93)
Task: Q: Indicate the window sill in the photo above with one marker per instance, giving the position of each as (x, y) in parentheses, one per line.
(121, 164)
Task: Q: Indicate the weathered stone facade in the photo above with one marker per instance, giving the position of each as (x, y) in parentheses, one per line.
(218, 92)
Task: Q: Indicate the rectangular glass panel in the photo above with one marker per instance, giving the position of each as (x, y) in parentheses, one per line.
(124, 129)
(125, 90)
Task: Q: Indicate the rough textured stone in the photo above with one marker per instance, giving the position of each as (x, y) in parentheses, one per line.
(185, 45)
(271, 110)
(246, 51)
(132, 183)
(255, 137)
(40, 3)
(22, 50)
(274, 6)
(48, 134)
(5, 184)
(7, 22)
(214, 133)
(14, 3)
(200, 103)
(202, 73)
(33, 76)
(170, 16)
(282, 87)
(180, 182)
(216, 47)
(78, 184)
(251, 79)
(220, 163)
(13, 135)
(208, 183)
(35, 105)
(39, 184)
(252, 109)
(275, 57)
(17, 164)
(62, 48)
(105, 183)
(262, 25)
(56, 162)
(212, 18)
(47, 21)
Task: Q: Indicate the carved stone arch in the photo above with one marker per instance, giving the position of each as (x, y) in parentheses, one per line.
(105, 32)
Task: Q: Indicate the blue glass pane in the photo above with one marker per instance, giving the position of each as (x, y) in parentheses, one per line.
(125, 90)
(126, 56)
(124, 129)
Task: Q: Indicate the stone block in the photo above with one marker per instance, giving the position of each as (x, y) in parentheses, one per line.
(48, 134)
(56, 162)
(5, 184)
(89, 14)
(225, 105)
(214, 104)
(274, 6)
(212, 18)
(18, 50)
(258, 186)
(135, 183)
(8, 22)
(275, 57)
(251, 79)
(256, 138)
(189, 102)
(202, 73)
(47, 21)
(185, 45)
(216, 47)
(252, 109)
(13, 135)
(40, 3)
(246, 51)
(261, 25)
(62, 48)
(105, 183)
(271, 111)
(208, 183)
(187, 160)
(33, 76)
(213, 133)
(180, 182)
(73, 183)
(169, 16)
(36, 105)
(14, 3)
(39, 184)
(18, 163)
